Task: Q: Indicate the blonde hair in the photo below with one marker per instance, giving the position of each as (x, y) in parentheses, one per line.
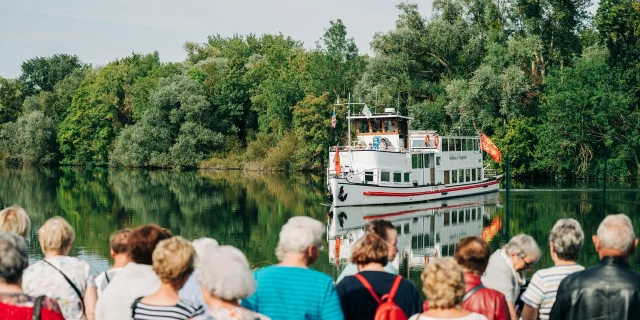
(173, 259)
(443, 284)
(371, 248)
(15, 219)
(56, 234)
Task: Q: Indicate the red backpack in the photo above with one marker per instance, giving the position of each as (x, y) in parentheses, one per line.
(387, 308)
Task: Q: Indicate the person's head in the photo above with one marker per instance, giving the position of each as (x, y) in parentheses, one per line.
(300, 236)
(14, 258)
(370, 249)
(118, 242)
(231, 280)
(386, 231)
(443, 284)
(143, 240)
(523, 250)
(566, 240)
(173, 260)
(615, 237)
(203, 246)
(56, 236)
(15, 219)
(472, 254)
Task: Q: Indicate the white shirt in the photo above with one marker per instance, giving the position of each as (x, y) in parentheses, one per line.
(103, 279)
(133, 281)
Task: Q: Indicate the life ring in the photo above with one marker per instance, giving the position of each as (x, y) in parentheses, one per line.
(436, 140)
(426, 140)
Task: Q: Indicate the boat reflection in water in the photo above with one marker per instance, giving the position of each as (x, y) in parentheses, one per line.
(425, 230)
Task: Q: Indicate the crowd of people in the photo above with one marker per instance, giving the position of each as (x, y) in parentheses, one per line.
(158, 275)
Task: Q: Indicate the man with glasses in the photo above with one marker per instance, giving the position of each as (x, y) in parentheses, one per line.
(505, 271)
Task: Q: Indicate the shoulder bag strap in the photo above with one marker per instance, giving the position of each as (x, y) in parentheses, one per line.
(37, 306)
(394, 288)
(134, 306)
(78, 292)
(106, 276)
(471, 292)
(367, 285)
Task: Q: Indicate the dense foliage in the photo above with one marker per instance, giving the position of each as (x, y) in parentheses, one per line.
(556, 88)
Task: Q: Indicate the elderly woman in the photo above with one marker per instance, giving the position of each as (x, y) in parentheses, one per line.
(14, 304)
(565, 242)
(290, 290)
(443, 285)
(472, 254)
(66, 279)
(137, 278)
(385, 230)
(191, 289)
(505, 271)
(370, 254)
(224, 284)
(173, 261)
(15, 219)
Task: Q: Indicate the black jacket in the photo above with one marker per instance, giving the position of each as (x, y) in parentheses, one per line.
(609, 290)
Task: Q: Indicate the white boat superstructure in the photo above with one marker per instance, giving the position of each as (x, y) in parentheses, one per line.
(391, 164)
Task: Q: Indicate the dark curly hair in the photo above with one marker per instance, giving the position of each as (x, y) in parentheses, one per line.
(143, 240)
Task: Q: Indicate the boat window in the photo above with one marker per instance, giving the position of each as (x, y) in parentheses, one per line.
(407, 177)
(458, 145)
(368, 176)
(420, 161)
(397, 177)
(417, 144)
(426, 161)
(476, 144)
(454, 176)
(454, 217)
(414, 161)
(363, 126)
(464, 144)
(437, 161)
(399, 229)
(445, 145)
(473, 214)
(446, 222)
(461, 175)
(384, 176)
(446, 177)
(479, 173)
(473, 175)
(406, 228)
(376, 125)
(470, 144)
(468, 175)
(390, 126)
(467, 213)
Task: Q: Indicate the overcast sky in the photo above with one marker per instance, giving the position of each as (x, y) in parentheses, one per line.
(102, 31)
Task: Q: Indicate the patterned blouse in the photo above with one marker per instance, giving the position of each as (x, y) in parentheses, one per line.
(42, 279)
(231, 313)
(19, 306)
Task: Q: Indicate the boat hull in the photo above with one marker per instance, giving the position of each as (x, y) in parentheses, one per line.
(344, 193)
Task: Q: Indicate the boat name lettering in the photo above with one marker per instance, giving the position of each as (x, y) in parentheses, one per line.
(456, 157)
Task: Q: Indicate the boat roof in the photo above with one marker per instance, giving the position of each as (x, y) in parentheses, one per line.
(378, 116)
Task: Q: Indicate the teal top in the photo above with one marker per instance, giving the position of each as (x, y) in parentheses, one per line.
(352, 269)
(294, 293)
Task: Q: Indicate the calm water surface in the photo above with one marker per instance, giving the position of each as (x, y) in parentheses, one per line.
(247, 209)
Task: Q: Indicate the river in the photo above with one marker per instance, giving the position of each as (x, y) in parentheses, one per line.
(247, 209)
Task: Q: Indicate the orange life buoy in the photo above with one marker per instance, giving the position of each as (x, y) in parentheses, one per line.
(426, 140)
(436, 140)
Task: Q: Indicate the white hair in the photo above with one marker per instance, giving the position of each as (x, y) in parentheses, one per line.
(14, 257)
(224, 272)
(204, 245)
(298, 234)
(616, 232)
(523, 245)
(567, 238)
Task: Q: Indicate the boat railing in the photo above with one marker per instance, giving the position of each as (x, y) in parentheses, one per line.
(358, 148)
(490, 173)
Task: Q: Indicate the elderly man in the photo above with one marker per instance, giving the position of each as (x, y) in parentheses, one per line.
(505, 271)
(291, 290)
(565, 243)
(609, 290)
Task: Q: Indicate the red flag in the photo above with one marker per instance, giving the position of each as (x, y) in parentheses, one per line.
(336, 160)
(492, 229)
(490, 148)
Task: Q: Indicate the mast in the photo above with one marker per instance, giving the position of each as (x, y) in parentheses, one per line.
(349, 120)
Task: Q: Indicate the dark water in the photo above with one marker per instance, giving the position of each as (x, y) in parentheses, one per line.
(247, 209)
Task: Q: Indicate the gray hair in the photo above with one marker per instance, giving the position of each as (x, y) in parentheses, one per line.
(298, 234)
(616, 232)
(204, 245)
(523, 245)
(14, 257)
(224, 272)
(567, 238)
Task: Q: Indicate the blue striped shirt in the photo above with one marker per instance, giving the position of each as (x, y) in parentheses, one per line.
(542, 290)
(294, 293)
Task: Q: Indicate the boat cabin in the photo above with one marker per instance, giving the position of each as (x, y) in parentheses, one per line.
(385, 132)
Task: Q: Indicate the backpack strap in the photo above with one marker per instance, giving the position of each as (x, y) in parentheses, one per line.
(394, 288)
(471, 292)
(134, 306)
(78, 292)
(37, 307)
(367, 285)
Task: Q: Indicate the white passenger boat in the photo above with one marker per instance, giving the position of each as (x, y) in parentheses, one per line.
(388, 163)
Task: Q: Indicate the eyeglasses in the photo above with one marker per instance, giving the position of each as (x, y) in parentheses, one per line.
(527, 265)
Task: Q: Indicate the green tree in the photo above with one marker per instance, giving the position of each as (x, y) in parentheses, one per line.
(42, 73)
(30, 140)
(312, 120)
(10, 99)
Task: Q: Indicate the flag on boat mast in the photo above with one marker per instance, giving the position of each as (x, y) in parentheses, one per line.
(336, 161)
(490, 148)
(333, 118)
